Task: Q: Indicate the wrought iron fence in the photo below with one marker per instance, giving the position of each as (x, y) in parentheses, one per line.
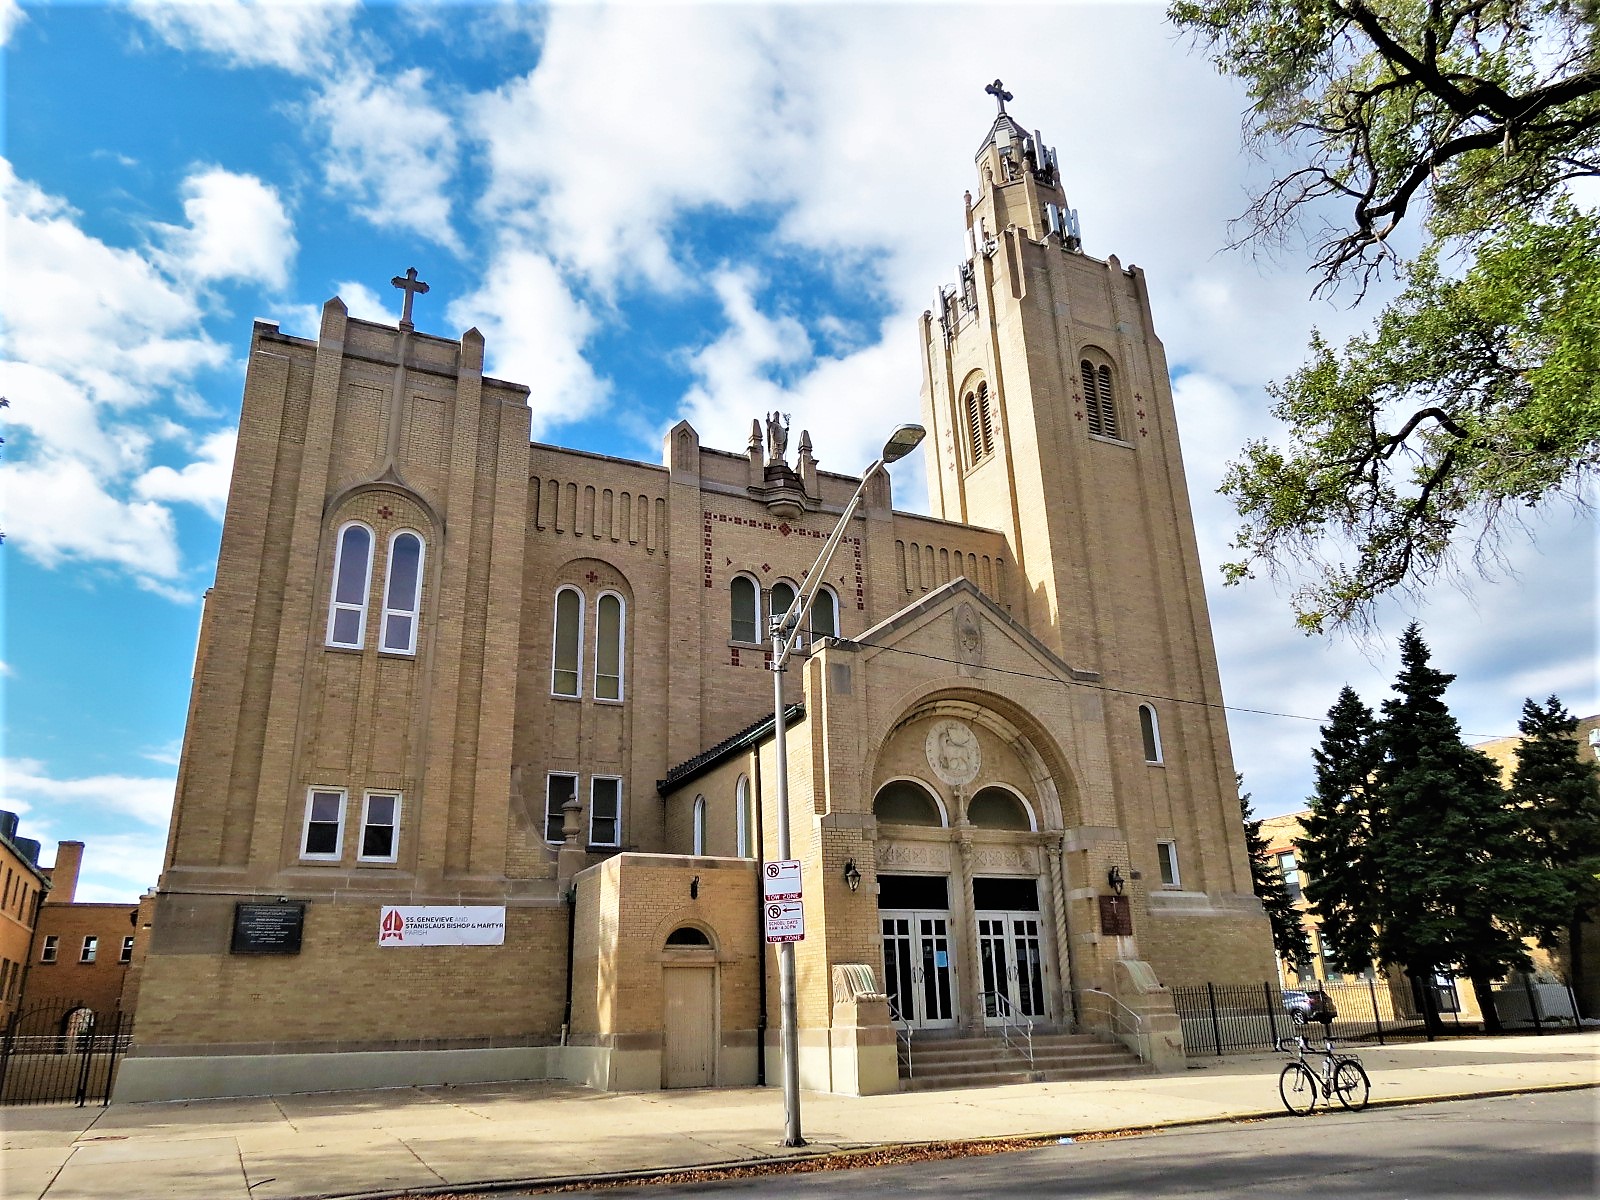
(1222, 1018)
(61, 1053)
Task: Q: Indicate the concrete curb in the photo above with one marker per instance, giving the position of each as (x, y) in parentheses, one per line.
(621, 1178)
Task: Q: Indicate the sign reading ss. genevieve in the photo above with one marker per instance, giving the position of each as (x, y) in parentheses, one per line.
(442, 925)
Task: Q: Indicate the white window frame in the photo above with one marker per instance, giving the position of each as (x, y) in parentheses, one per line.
(755, 588)
(555, 642)
(366, 823)
(622, 648)
(91, 948)
(774, 612)
(549, 780)
(1167, 861)
(51, 950)
(830, 598)
(1147, 712)
(305, 829)
(335, 606)
(697, 830)
(744, 818)
(616, 819)
(390, 608)
(127, 950)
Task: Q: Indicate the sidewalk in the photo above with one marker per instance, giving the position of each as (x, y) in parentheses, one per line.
(383, 1142)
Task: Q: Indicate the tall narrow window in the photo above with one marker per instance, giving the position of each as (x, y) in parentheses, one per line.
(565, 672)
(127, 950)
(352, 579)
(746, 617)
(1108, 408)
(559, 789)
(323, 837)
(608, 644)
(745, 816)
(380, 827)
(1167, 852)
(605, 811)
(980, 425)
(699, 831)
(1150, 731)
(780, 599)
(51, 948)
(91, 947)
(403, 593)
(824, 614)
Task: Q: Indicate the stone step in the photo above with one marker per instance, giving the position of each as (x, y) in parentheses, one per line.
(989, 1062)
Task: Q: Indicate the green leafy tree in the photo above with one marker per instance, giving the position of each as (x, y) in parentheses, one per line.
(1288, 936)
(1559, 793)
(1475, 395)
(1461, 877)
(1343, 889)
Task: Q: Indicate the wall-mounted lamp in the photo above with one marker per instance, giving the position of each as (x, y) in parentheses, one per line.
(694, 888)
(851, 875)
(1114, 879)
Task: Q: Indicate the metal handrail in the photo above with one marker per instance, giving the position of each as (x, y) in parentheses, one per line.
(1137, 1032)
(1010, 1021)
(902, 1037)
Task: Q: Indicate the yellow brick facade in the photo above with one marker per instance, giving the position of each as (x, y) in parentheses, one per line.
(1054, 591)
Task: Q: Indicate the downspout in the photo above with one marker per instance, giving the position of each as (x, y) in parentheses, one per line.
(761, 924)
(571, 897)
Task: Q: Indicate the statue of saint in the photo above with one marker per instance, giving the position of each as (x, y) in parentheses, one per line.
(777, 437)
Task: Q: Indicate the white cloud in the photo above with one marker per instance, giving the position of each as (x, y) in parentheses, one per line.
(71, 517)
(365, 304)
(238, 229)
(534, 329)
(299, 36)
(147, 800)
(203, 482)
(391, 151)
(11, 16)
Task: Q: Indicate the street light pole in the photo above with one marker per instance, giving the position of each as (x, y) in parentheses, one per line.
(785, 635)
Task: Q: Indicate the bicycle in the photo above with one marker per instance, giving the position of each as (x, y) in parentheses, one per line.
(1342, 1077)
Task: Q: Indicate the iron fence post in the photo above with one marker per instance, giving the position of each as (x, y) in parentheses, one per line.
(1272, 1017)
(5, 1051)
(1533, 1002)
(1216, 1025)
(1377, 1019)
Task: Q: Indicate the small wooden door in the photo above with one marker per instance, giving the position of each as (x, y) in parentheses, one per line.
(689, 1041)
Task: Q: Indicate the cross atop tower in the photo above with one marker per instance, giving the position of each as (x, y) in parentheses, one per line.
(412, 287)
(998, 91)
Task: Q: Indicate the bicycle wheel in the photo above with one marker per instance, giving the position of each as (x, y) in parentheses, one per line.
(1350, 1084)
(1298, 1087)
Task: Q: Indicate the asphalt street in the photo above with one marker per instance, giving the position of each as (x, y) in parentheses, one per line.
(1512, 1147)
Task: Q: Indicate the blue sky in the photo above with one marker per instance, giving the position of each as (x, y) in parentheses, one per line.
(701, 212)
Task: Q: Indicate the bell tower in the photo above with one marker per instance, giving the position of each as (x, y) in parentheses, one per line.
(1046, 390)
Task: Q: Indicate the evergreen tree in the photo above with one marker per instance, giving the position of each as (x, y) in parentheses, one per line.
(1288, 936)
(1558, 793)
(1341, 883)
(1460, 877)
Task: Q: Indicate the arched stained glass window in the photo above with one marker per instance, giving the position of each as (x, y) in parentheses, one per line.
(610, 631)
(746, 606)
(403, 594)
(698, 834)
(825, 614)
(781, 597)
(352, 581)
(565, 672)
(1150, 731)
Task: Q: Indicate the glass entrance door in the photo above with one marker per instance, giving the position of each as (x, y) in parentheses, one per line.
(917, 971)
(1011, 960)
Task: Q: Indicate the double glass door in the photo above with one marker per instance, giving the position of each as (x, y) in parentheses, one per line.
(1011, 962)
(918, 972)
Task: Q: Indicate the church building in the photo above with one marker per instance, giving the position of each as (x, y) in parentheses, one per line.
(479, 780)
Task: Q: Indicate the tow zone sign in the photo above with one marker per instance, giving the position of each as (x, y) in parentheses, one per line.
(784, 909)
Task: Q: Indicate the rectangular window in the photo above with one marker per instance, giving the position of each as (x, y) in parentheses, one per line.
(127, 950)
(559, 789)
(50, 949)
(605, 811)
(324, 832)
(1168, 853)
(91, 947)
(1290, 870)
(380, 827)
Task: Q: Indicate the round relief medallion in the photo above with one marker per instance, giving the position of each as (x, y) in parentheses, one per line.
(953, 752)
